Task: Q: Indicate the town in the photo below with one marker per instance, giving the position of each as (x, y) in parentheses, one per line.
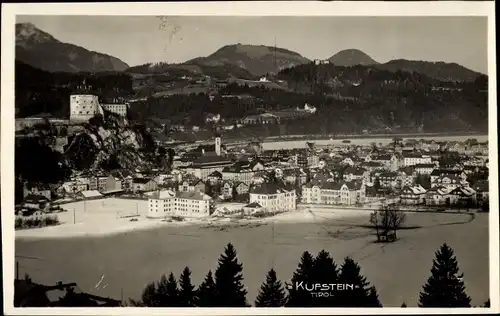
(216, 179)
(230, 161)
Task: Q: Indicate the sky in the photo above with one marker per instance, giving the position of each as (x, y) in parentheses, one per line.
(142, 39)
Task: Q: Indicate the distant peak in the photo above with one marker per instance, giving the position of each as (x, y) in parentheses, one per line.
(351, 57)
(28, 32)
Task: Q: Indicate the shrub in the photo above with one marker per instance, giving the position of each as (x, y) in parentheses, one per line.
(24, 223)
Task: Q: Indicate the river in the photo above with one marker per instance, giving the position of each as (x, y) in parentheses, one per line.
(363, 141)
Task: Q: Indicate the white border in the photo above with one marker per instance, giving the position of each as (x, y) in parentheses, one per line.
(305, 8)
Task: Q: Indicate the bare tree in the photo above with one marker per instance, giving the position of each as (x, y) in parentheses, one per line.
(386, 222)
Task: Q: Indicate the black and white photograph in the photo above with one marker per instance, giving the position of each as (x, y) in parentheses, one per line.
(158, 155)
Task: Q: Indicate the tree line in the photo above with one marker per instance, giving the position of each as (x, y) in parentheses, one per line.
(225, 288)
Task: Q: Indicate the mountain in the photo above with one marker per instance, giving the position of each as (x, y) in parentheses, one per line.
(351, 57)
(41, 50)
(178, 70)
(437, 70)
(257, 60)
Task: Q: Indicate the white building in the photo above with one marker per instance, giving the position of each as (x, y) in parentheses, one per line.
(83, 107)
(343, 192)
(411, 159)
(185, 204)
(119, 109)
(274, 197)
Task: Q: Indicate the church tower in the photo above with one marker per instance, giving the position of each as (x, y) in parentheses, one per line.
(218, 143)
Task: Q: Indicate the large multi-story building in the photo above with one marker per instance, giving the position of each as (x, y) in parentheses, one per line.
(83, 107)
(342, 192)
(188, 204)
(273, 197)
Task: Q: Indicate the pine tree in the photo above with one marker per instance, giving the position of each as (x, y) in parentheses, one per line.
(167, 291)
(373, 298)
(149, 295)
(298, 297)
(324, 271)
(360, 295)
(187, 294)
(230, 291)
(272, 293)
(445, 287)
(205, 295)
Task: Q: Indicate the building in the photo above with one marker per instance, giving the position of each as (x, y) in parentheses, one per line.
(351, 174)
(482, 190)
(462, 196)
(185, 204)
(406, 177)
(143, 185)
(436, 173)
(243, 171)
(83, 107)
(390, 162)
(388, 179)
(273, 197)
(205, 165)
(118, 109)
(413, 195)
(343, 192)
(425, 168)
(414, 158)
(98, 183)
(436, 196)
(38, 202)
(215, 177)
(76, 185)
(192, 184)
(449, 182)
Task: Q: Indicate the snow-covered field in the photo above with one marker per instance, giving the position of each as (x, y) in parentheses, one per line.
(97, 218)
(129, 260)
(113, 216)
